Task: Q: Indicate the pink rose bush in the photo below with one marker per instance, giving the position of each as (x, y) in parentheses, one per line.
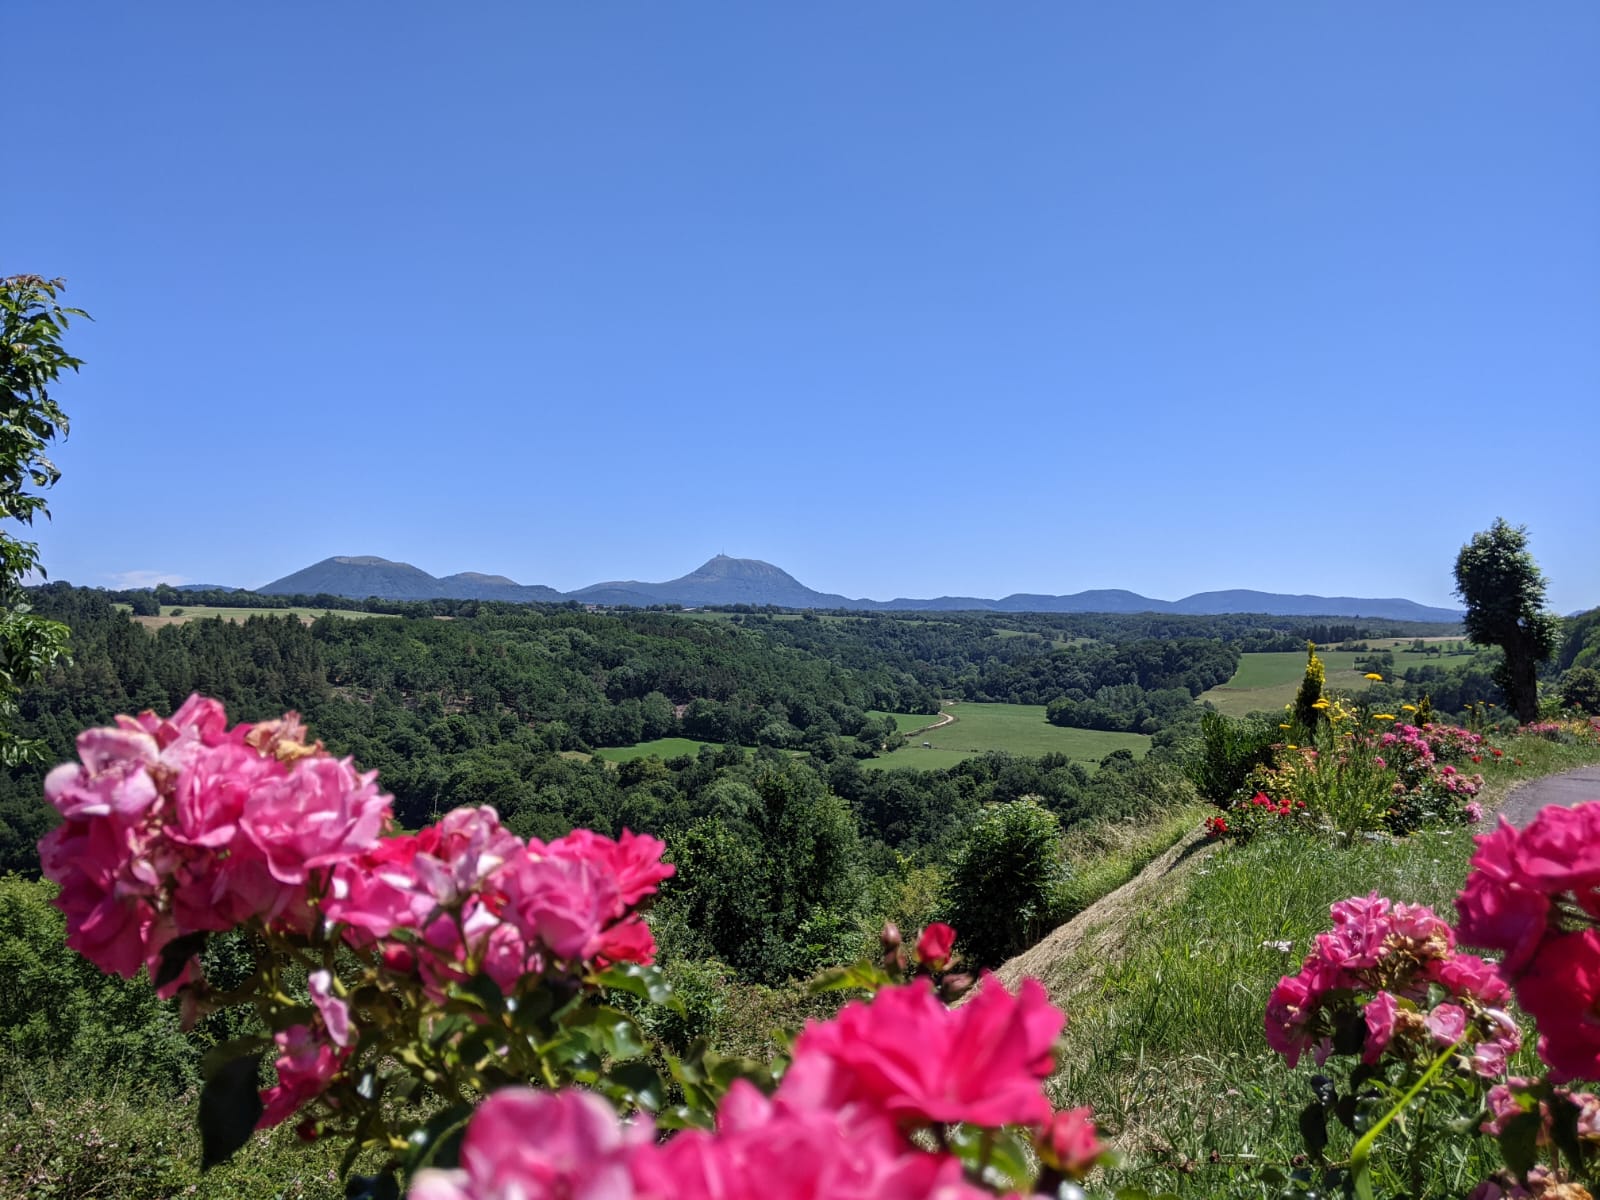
(462, 960)
(1388, 986)
(857, 1116)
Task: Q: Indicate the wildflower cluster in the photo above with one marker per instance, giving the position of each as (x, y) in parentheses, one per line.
(399, 976)
(1388, 985)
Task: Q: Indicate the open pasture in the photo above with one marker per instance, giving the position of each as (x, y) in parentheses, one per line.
(180, 614)
(1018, 728)
(1267, 681)
(663, 748)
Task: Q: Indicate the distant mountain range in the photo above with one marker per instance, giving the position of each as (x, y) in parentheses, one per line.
(725, 580)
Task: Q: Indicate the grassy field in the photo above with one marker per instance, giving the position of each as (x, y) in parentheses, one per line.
(1018, 728)
(671, 747)
(1265, 682)
(905, 722)
(1165, 1036)
(179, 614)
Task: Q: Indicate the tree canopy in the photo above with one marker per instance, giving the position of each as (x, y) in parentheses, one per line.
(1504, 591)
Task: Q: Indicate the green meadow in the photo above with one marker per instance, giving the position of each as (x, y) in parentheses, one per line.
(670, 747)
(178, 614)
(1267, 681)
(1017, 728)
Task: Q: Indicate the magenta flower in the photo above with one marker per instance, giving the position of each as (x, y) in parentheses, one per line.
(934, 947)
(908, 1056)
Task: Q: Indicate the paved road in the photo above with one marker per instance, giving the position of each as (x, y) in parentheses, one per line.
(1568, 788)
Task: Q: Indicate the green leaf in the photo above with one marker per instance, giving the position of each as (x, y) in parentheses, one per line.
(372, 1187)
(639, 1083)
(1519, 1142)
(230, 1106)
(860, 976)
(647, 983)
(481, 992)
(223, 1053)
(612, 1031)
(175, 955)
(438, 1142)
(1314, 1128)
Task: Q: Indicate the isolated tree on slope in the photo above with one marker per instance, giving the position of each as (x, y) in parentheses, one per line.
(1504, 592)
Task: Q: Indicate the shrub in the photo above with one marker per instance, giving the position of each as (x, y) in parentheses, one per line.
(1007, 883)
(1229, 750)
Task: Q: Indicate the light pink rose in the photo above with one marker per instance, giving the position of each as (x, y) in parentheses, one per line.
(528, 1145)
(1446, 1024)
(320, 812)
(114, 776)
(334, 1011)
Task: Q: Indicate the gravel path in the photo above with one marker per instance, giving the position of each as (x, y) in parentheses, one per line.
(1566, 789)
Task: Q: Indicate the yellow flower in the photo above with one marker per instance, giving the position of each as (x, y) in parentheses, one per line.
(1320, 704)
(1408, 708)
(1291, 746)
(1281, 726)
(1383, 716)
(1374, 675)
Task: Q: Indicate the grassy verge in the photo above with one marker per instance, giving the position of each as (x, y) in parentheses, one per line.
(1103, 855)
(1166, 1040)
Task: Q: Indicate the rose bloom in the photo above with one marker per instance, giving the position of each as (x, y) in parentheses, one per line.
(908, 1056)
(935, 945)
(524, 1145)
(1561, 989)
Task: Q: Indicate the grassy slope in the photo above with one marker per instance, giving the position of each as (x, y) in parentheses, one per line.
(1265, 682)
(1166, 1001)
(1018, 728)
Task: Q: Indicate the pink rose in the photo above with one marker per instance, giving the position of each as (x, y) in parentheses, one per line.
(1559, 851)
(908, 1056)
(524, 1143)
(113, 778)
(306, 1065)
(1379, 1015)
(318, 813)
(1469, 975)
(1069, 1139)
(1446, 1024)
(562, 904)
(1561, 990)
(634, 860)
(334, 1011)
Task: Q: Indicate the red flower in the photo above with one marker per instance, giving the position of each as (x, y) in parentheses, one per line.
(935, 945)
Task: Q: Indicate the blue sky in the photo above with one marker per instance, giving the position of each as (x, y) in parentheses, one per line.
(909, 299)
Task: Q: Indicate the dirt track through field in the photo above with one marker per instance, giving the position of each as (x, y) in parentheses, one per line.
(1565, 789)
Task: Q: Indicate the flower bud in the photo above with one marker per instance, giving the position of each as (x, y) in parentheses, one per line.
(889, 939)
(935, 946)
(399, 958)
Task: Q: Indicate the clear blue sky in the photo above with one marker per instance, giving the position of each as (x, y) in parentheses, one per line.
(908, 299)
